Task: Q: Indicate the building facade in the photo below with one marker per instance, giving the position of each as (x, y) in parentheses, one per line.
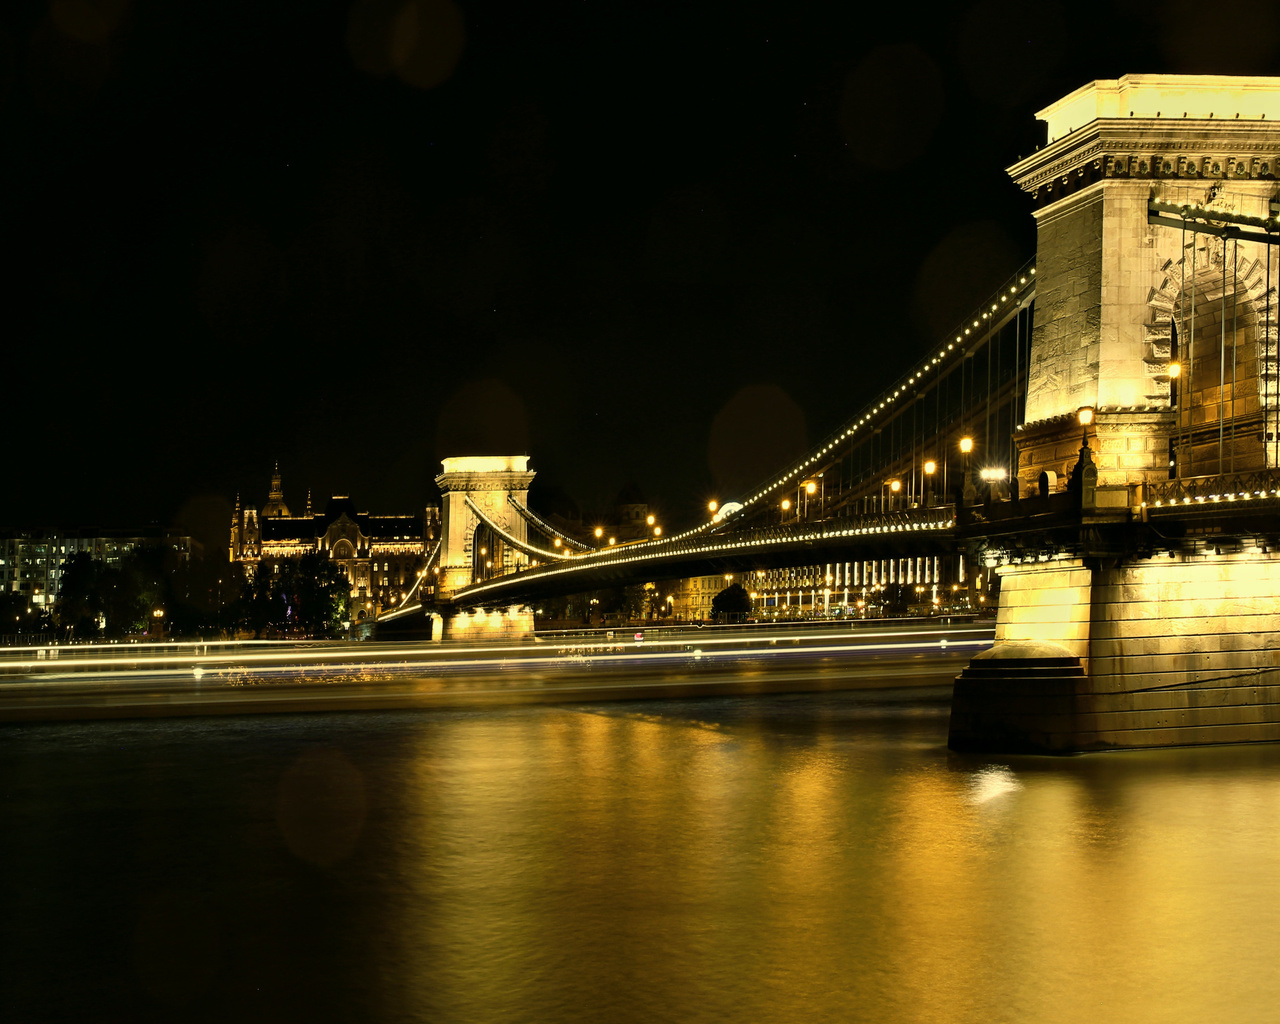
(381, 556)
(31, 561)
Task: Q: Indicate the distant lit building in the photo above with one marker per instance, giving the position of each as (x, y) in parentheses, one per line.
(31, 561)
(380, 555)
(689, 600)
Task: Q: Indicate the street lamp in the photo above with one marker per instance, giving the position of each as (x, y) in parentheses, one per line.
(966, 447)
(712, 506)
(1085, 415)
(810, 488)
(930, 467)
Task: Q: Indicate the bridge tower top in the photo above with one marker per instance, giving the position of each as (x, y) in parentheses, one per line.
(1110, 281)
(1174, 97)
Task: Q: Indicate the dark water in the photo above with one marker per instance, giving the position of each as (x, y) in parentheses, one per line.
(749, 859)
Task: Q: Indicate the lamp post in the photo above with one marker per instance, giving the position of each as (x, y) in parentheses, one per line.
(966, 448)
(930, 467)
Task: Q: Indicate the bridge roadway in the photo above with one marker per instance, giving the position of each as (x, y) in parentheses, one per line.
(910, 532)
(141, 681)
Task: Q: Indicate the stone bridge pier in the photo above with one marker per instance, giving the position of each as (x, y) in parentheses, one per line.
(471, 550)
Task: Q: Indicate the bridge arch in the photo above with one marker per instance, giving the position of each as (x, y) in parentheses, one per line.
(1212, 357)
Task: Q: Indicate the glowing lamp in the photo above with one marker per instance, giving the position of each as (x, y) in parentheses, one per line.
(599, 532)
(786, 504)
(1175, 371)
(651, 520)
(895, 486)
(930, 466)
(810, 488)
(712, 506)
(966, 445)
(1085, 415)
(557, 542)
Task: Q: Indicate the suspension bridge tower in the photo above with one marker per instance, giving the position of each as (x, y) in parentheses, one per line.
(1152, 395)
(482, 534)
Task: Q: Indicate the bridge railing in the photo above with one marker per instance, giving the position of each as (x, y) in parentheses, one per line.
(1263, 483)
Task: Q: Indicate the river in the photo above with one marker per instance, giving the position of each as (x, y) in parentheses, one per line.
(778, 858)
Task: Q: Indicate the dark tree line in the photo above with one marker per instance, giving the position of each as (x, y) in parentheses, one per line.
(307, 595)
(298, 596)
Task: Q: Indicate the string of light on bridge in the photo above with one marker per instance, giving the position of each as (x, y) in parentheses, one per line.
(657, 549)
(1018, 283)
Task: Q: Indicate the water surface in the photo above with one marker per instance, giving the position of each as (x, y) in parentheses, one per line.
(785, 858)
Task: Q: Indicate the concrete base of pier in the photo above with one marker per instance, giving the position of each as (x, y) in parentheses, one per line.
(489, 624)
(1101, 654)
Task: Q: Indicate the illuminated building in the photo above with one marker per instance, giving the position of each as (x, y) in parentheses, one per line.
(31, 561)
(380, 555)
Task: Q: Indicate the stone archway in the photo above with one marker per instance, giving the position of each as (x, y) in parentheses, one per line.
(1212, 318)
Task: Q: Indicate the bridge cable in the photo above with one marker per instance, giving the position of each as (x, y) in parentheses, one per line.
(435, 552)
(534, 520)
(1235, 260)
(1182, 337)
(1191, 375)
(1222, 357)
(511, 539)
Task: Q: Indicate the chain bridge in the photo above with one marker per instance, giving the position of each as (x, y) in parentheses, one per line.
(1102, 434)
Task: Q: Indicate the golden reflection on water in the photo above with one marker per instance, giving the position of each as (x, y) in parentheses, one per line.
(604, 864)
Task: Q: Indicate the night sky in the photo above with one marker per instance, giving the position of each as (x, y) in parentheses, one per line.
(649, 243)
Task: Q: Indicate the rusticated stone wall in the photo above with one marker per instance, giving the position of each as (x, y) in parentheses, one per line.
(1175, 651)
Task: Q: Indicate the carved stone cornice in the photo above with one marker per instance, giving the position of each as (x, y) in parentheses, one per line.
(1151, 149)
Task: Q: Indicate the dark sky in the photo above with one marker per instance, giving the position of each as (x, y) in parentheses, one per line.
(667, 244)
